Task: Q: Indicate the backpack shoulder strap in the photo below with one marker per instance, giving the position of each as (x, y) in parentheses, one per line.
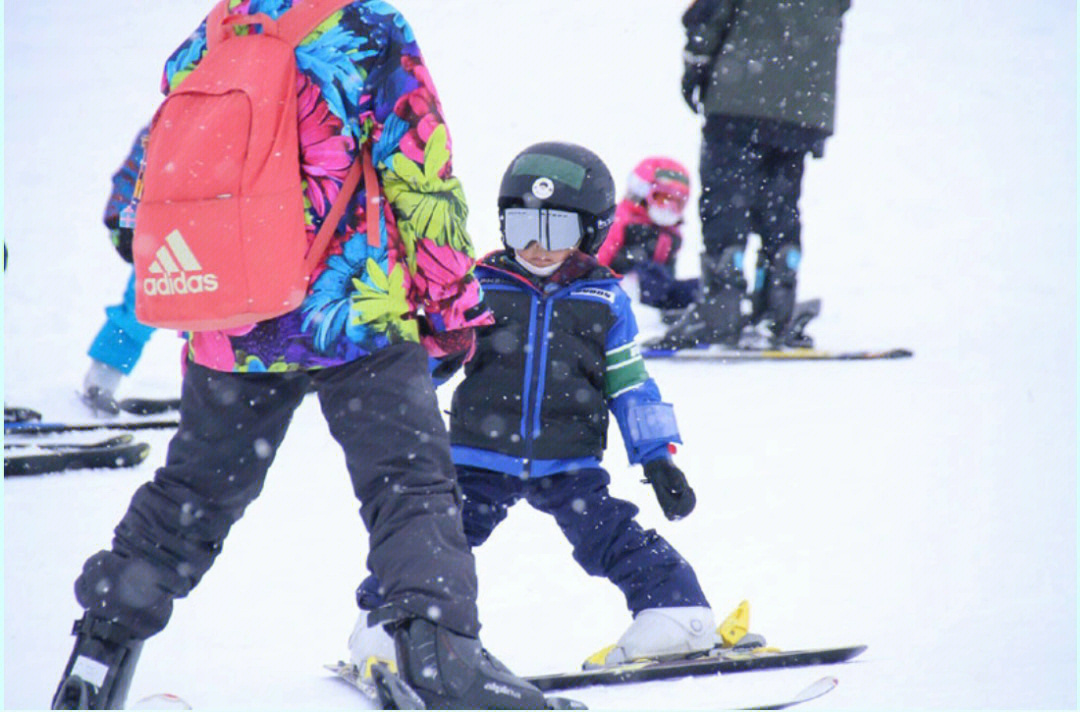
(297, 22)
(293, 26)
(214, 24)
(364, 165)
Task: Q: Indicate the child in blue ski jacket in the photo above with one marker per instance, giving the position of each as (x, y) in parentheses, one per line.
(119, 343)
(530, 419)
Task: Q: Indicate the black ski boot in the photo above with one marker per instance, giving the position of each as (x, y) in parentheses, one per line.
(452, 671)
(775, 322)
(672, 316)
(717, 316)
(98, 674)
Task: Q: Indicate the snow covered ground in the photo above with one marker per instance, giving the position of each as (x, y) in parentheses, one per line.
(925, 507)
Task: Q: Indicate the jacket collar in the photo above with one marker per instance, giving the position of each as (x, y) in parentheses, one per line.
(577, 268)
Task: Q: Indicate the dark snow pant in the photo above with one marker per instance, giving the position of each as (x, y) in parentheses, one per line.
(383, 412)
(748, 188)
(606, 539)
(660, 289)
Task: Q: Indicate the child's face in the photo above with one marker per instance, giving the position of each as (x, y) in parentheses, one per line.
(539, 257)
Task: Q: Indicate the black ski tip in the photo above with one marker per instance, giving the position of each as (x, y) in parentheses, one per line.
(139, 453)
(21, 415)
(35, 428)
(149, 406)
(122, 439)
(60, 459)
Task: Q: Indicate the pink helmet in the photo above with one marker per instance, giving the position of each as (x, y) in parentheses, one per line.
(663, 184)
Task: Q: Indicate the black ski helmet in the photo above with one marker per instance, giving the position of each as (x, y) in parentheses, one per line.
(561, 176)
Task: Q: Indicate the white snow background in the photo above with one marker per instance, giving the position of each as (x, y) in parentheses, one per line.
(924, 507)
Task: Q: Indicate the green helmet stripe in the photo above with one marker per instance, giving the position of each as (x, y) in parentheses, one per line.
(560, 169)
(672, 175)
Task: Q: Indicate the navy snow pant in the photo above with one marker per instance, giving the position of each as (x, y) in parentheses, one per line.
(659, 287)
(606, 539)
(383, 412)
(748, 188)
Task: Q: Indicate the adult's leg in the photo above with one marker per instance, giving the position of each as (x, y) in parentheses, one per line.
(730, 170)
(486, 497)
(230, 427)
(730, 165)
(174, 528)
(780, 230)
(383, 412)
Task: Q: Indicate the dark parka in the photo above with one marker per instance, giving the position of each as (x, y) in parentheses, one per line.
(771, 59)
(561, 354)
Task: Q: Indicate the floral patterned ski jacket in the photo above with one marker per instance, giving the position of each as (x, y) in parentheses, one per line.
(362, 78)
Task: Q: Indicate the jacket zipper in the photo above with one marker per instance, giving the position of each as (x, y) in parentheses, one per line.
(537, 319)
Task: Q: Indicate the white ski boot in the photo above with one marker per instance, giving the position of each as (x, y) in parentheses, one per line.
(98, 388)
(660, 632)
(369, 645)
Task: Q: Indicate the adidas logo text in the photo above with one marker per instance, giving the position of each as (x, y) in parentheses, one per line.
(175, 263)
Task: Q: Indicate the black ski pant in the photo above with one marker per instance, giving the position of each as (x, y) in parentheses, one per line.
(748, 187)
(383, 412)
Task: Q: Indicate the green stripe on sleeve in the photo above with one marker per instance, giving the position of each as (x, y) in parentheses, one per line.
(625, 370)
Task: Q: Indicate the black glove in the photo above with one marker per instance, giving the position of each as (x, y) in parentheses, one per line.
(121, 239)
(453, 347)
(694, 80)
(672, 492)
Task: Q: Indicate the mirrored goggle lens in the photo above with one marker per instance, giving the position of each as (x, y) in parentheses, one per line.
(553, 229)
(664, 199)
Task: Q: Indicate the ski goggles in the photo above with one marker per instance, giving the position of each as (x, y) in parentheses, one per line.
(553, 229)
(668, 200)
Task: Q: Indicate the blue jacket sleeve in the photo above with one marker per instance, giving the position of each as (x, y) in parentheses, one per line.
(123, 183)
(119, 215)
(647, 423)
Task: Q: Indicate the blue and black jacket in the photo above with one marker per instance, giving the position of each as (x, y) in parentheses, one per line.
(561, 354)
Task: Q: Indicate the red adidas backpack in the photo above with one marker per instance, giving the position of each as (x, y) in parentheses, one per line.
(219, 228)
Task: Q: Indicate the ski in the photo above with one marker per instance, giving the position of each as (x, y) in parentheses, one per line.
(350, 673)
(751, 348)
(149, 406)
(60, 458)
(385, 688)
(20, 415)
(122, 439)
(33, 428)
(811, 692)
(729, 355)
(719, 661)
(162, 701)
